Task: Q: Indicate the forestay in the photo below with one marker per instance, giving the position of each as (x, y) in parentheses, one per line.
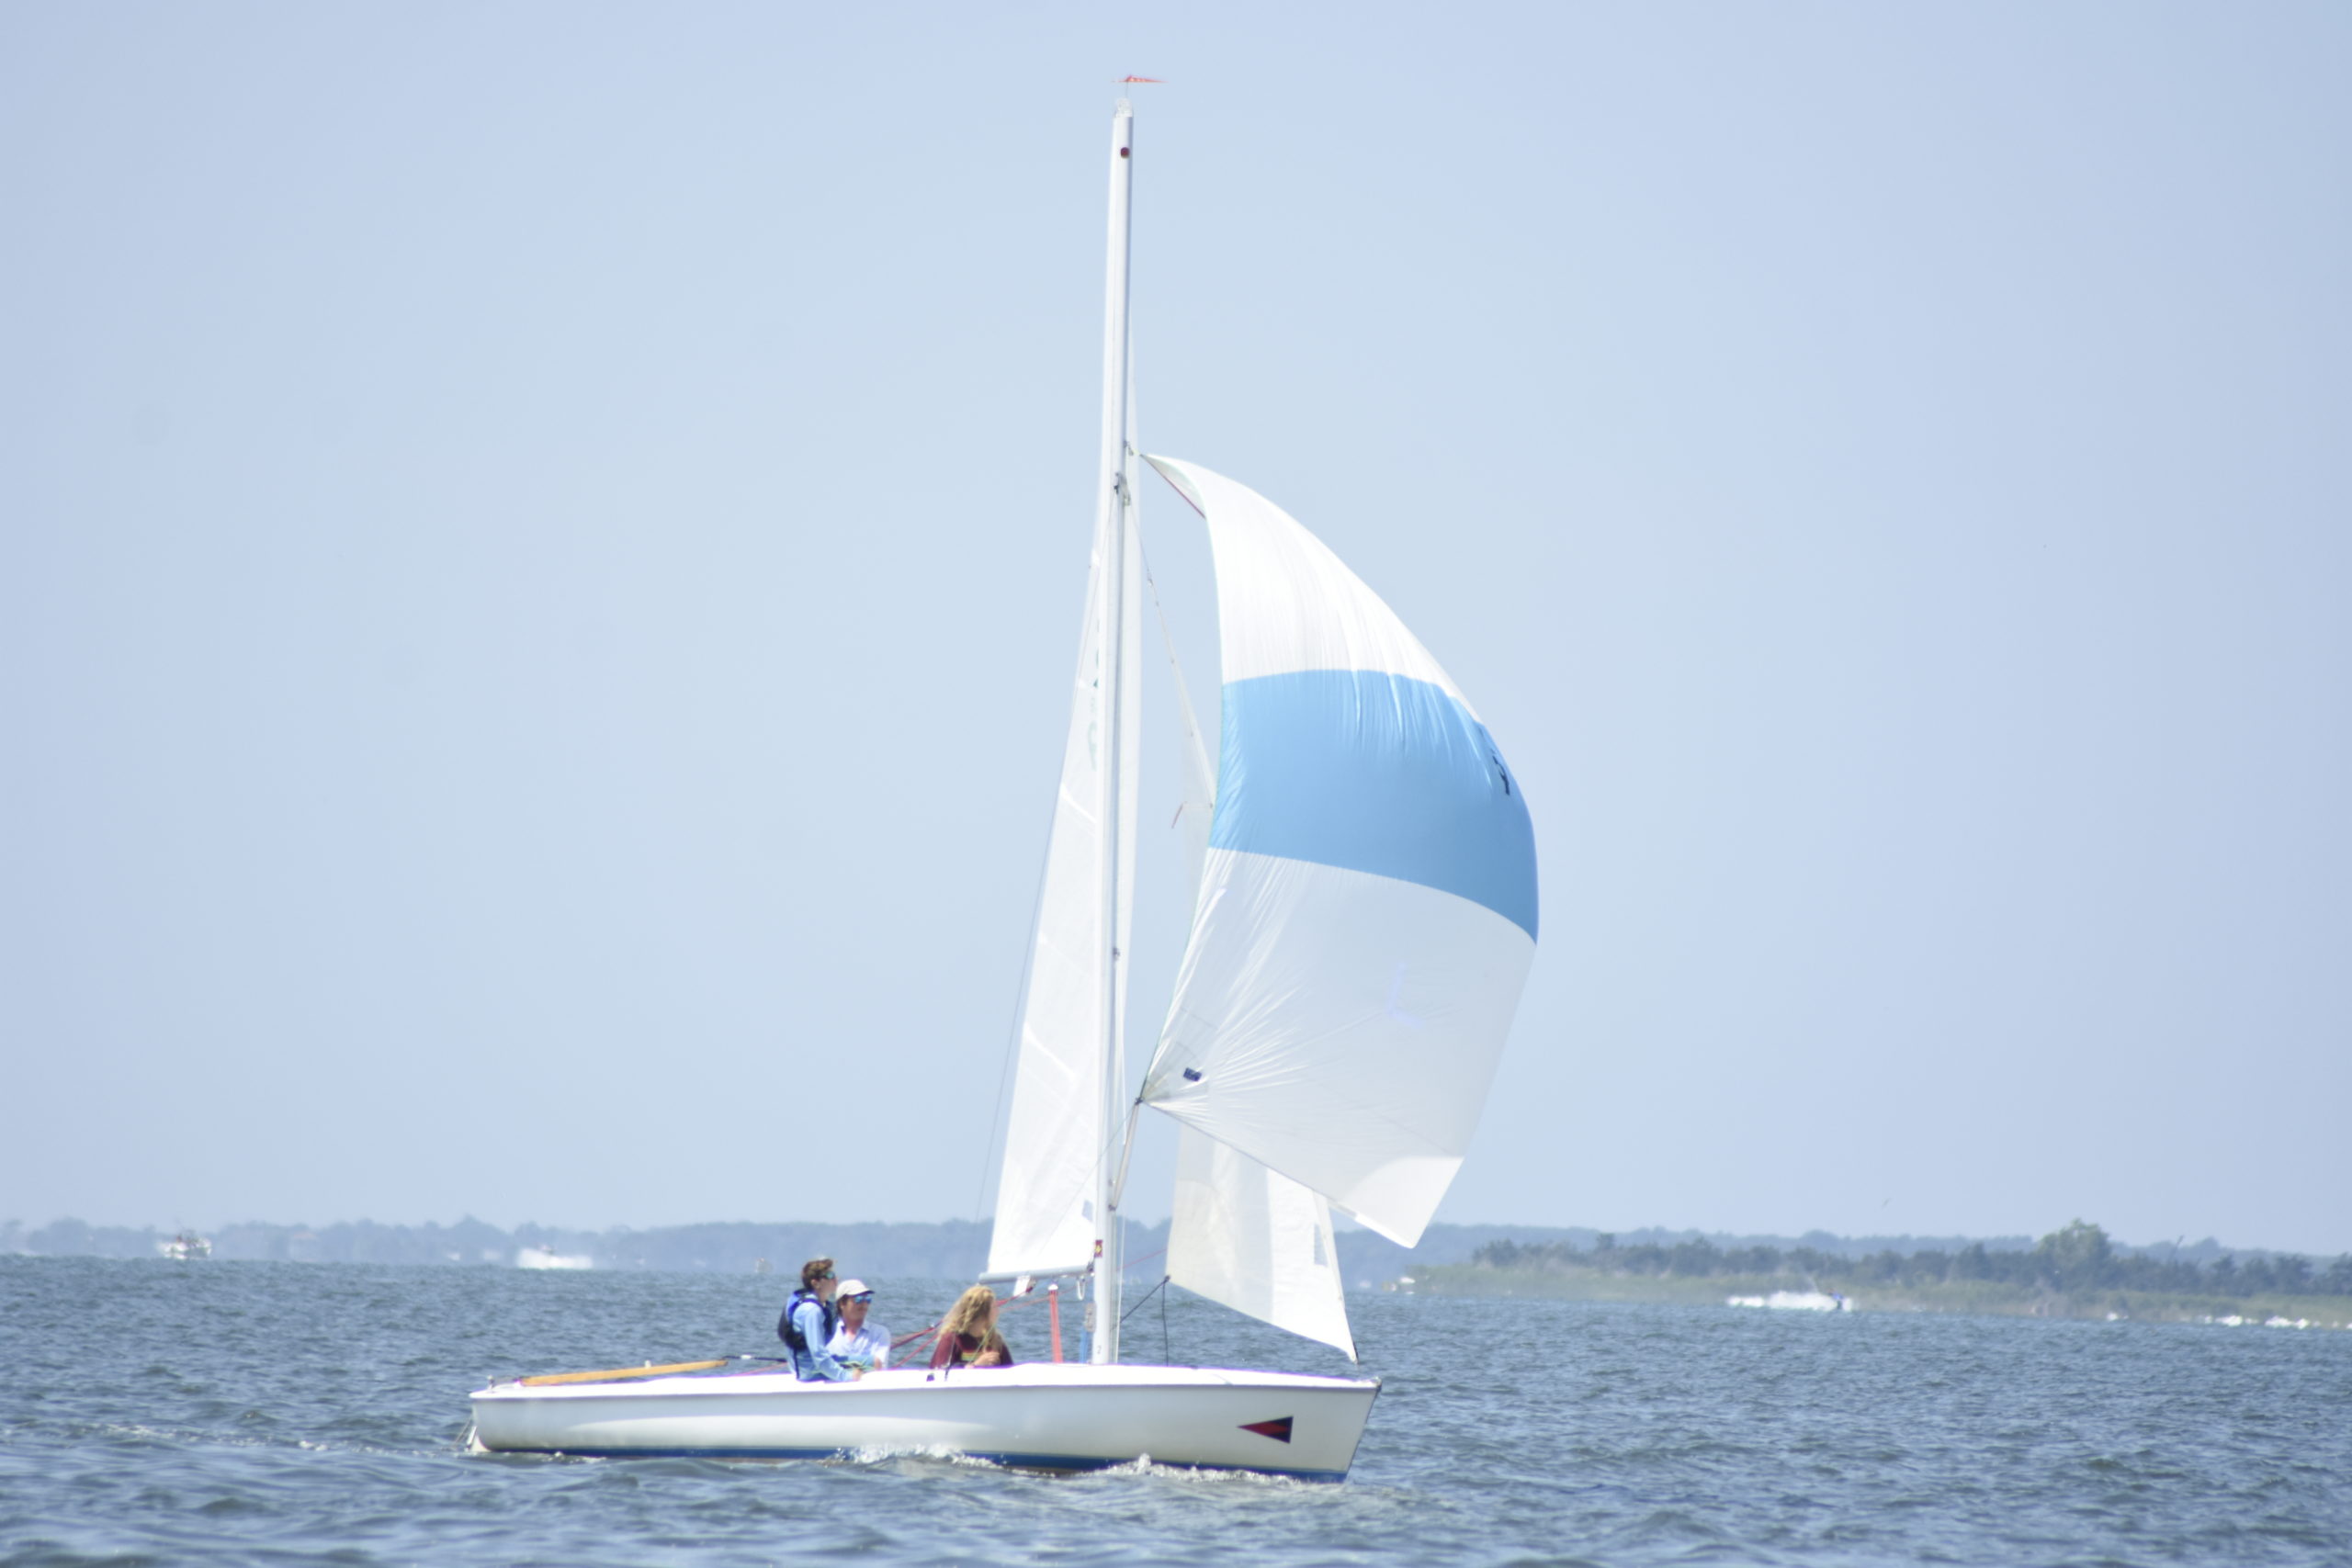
(1368, 908)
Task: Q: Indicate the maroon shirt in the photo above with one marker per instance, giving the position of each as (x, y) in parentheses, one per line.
(963, 1349)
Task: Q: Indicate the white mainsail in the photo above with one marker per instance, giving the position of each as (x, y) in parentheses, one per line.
(1368, 911)
(1045, 1216)
(1054, 1186)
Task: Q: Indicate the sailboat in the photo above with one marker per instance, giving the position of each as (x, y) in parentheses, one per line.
(1364, 922)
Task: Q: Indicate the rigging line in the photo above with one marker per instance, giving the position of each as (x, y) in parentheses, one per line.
(1180, 491)
(1010, 1304)
(1200, 782)
(1139, 1306)
(1184, 692)
(1119, 1182)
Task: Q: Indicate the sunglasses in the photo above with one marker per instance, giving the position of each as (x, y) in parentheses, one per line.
(860, 1296)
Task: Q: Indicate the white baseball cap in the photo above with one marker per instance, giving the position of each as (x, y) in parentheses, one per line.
(853, 1287)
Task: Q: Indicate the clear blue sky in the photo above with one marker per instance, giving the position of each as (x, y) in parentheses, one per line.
(540, 548)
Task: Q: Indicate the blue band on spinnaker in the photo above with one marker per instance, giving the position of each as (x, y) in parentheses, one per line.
(1374, 772)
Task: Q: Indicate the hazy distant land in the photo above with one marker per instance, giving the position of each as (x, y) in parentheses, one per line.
(2077, 1271)
(950, 1249)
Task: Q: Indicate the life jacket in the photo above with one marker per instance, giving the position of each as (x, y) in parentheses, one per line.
(789, 1331)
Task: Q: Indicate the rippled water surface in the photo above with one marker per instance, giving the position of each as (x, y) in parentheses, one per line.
(288, 1412)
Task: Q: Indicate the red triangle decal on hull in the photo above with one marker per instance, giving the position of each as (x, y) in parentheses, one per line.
(1278, 1428)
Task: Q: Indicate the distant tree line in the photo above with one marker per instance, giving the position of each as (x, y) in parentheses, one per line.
(952, 1249)
(2078, 1257)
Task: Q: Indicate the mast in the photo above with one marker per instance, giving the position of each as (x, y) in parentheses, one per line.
(1117, 498)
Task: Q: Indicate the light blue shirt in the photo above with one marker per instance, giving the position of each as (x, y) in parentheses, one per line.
(869, 1347)
(815, 1364)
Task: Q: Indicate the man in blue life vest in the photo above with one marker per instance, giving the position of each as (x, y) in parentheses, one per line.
(807, 1325)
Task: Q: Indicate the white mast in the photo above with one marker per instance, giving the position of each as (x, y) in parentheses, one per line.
(1116, 494)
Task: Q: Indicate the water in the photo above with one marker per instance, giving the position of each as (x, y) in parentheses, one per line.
(301, 1414)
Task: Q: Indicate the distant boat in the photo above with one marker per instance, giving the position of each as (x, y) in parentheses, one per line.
(185, 1248)
(545, 1257)
(1795, 1301)
(1364, 921)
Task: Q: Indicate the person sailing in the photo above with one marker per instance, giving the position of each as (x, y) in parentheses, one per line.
(967, 1337)
(860, 1341)
(807, 1325)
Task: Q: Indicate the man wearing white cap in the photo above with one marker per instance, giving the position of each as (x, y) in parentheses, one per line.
(859, 1342)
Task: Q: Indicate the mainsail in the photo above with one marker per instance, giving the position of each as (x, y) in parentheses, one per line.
(1368, 912)
(1058, 1136)
(1054, 1188)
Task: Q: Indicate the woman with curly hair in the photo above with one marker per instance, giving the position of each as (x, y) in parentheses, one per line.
(967, 1336)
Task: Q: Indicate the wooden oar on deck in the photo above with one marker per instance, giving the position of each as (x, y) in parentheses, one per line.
(619, 1373)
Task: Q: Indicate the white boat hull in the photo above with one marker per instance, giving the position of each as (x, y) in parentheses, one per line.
(1060, 1417)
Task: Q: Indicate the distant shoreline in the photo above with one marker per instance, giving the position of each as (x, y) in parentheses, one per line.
(1531, 1256)
(2075, 1271)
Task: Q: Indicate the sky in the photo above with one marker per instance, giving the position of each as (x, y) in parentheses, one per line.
(541, 549)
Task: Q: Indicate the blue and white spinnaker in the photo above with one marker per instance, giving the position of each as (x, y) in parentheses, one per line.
(1368, 911)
